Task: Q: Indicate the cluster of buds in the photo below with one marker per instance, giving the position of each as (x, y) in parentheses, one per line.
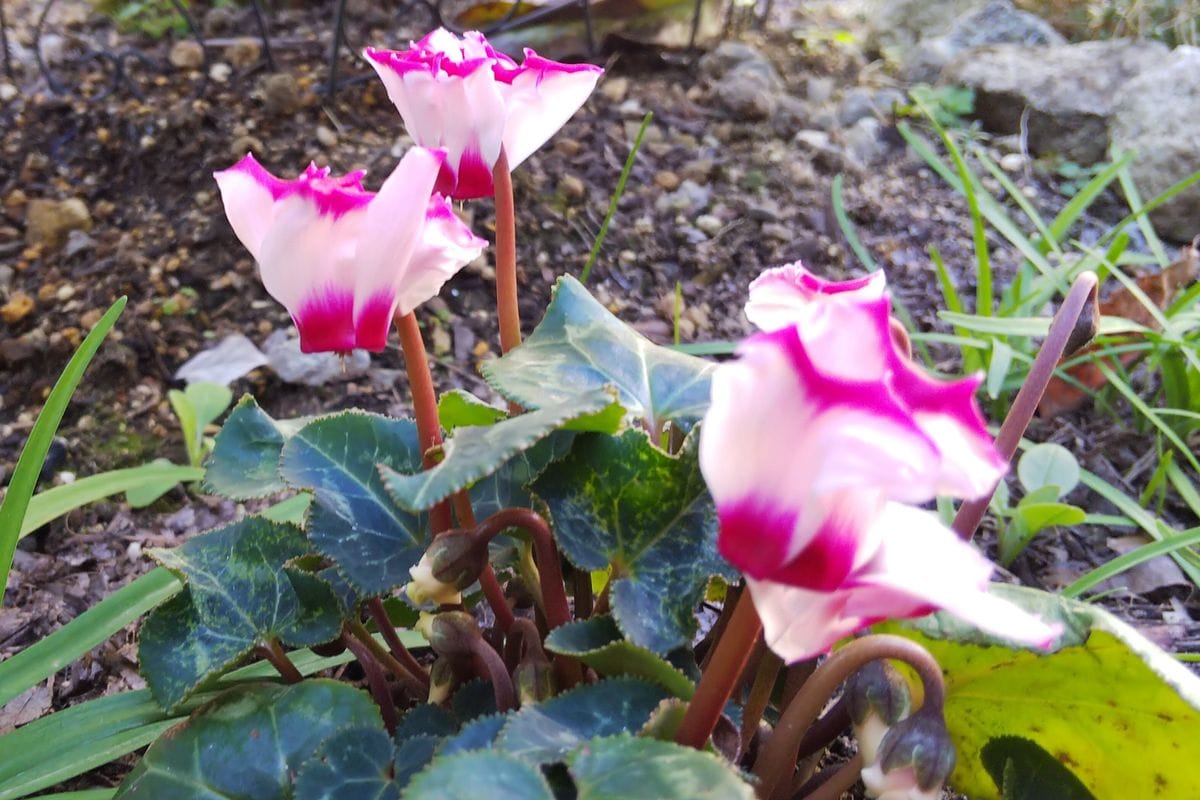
(905, 757)
(452, 563)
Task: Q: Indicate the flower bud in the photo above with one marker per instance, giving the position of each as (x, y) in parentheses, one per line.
(534, 679)
(452, 563)
(915, 758)
(441, 680)
(452, 634)
(878, 698)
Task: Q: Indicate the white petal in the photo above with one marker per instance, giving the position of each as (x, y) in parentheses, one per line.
(539, 102)
(799, 624)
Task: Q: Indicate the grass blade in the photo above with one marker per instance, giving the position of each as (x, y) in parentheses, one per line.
(612, 205)
(1084, 198)
(33, 455)
(1132, 559)
(847, 227)
(53, 503)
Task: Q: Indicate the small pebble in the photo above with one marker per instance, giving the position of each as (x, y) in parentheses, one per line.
(327, 136)
(571, 187)
(186, 54)
(667, 180)
(709, 224)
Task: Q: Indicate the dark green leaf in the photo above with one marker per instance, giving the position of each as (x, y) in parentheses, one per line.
(458, 408)
(597, 642)
(479, 734)
(473, 699)
(620, 501)
(625, 768)
(579, 346)
(237, 594)
(1024, 771)
(477, 451)
(353, 519)
(248, 743)
(478, 775)
(245, 459)
(544, 733)
(412, 756)
(426, 719)
(352, 763)
(507, 486)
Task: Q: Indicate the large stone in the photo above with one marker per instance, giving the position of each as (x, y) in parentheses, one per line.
(1150, 119)
(895, 25)
(743, 80)
(48, 222)
(1065, 92)
(996, 22)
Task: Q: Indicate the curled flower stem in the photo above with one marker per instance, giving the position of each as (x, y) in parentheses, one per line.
(399, 651)
(507, 312)
(420, 381)
(728, 659)
(272, 651)
(833, 782)
(375, 680)
(487, 578)
(554, 592)
(379, 652)
(777, 760)
(1072, 327)
(489, 665)
(760, 694)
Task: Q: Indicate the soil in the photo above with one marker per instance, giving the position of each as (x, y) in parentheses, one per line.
(143, 168)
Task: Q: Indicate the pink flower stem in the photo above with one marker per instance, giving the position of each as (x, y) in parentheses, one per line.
(725, 667)
(487, 578)
(420, 381)
(272, 651)
(506, 256)
(1072, 327)
(777, 760)
(760, 694)
(375, 680)
(399, 652)
(554, 592)
(833, 782)
(490, 666)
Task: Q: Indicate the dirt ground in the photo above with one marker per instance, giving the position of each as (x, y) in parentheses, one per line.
(143, 168)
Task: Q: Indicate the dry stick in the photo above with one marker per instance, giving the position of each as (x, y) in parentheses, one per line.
(1073, 326)
(399, 651)
(507, 312)
(489, 665)
(777, 760)
(728, 660)
(420, 381)
(413, 683)
(760, 695)
(375, 679)
(583, 593)
(272, 651)
(488, 581)
(833, 782)
(554, 592)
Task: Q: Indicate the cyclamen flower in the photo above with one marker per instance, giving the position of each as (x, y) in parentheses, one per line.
(462, 95)
(344, 260)
(817, 436)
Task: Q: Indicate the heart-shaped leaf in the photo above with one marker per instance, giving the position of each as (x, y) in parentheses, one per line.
(355, 762)
(244, 463)
(628, 768)
(353, 519)
(238, 594)
(620, 501)
(248, 743)
(458, 408)
(580, 346)
(508, 486)
(476, 775)
(545, 732)
(1101, 687)
(597, 642)
(478, 734)
(477, 451)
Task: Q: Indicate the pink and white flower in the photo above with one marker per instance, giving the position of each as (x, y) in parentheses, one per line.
(462, 95)
(344, 260)
(815, 438)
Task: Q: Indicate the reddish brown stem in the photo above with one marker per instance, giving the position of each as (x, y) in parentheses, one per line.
(399, 651)
(833, 782)
(375, 680)
(489, 665)
(420, 381)
(725, 666)
(777, 760)
(765, 676)
(583, 593)
(1072, 327)
(488, 581)
(272, 651)
(507, 311)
